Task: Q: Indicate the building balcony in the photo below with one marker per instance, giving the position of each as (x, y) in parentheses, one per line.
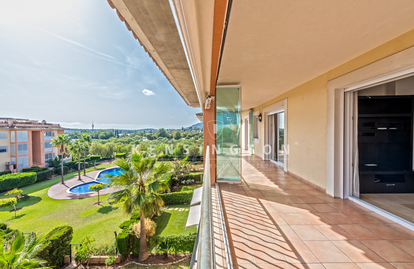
(274, 220)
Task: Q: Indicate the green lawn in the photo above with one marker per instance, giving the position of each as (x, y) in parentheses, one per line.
(40, 213)
(190, 188)
(173, 221)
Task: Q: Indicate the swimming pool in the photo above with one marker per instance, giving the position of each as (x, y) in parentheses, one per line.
(100, 178)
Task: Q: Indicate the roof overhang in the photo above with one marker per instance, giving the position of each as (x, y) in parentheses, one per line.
(152, 23)
(273, 46)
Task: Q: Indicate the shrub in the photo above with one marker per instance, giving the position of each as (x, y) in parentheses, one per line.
(58, 170)
(3, 226)
(95, 157)
(57, 245)
(16, 180)
(176, 198)
(44, 175)
(120, 155)
(150, 227)
(70, 165)
(175, 243)
(35, 169)
(5, 172)
(123, 243)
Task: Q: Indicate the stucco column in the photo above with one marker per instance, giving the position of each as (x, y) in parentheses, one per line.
(209, 120)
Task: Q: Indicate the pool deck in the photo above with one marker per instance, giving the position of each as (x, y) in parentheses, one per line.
(59, 190)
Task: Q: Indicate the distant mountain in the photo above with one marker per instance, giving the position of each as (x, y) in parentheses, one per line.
(196, 126)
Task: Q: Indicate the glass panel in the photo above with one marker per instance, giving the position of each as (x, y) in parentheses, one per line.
(22, 149)
(12, 136)
(228, 113)
(281, 136)
(48, 146)
(23, 162)
(21, 136)
(4, 135)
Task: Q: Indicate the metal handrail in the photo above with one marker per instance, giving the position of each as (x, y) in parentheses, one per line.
(203, 254)
(224, 230)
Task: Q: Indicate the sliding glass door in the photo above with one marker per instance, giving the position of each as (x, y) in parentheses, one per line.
(276, 137)
(228, 116)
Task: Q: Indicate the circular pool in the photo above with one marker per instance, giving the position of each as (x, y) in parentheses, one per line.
(100, 178)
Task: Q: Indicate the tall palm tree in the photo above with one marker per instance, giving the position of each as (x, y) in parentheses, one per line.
(77, 146)
(87, 140)
(61, 142)
(140, 182)
(21, 252)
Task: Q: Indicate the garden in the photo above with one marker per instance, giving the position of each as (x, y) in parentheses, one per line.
(112, 227)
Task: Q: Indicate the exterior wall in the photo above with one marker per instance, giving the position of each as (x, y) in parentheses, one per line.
(307, 114)
(5, 157)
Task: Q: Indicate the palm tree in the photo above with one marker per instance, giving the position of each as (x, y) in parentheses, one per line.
(62, 142)
(77, 146)
(140, 182)
(87, 140)
(21, 252)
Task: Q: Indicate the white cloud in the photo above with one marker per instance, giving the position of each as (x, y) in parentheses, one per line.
(148, 92)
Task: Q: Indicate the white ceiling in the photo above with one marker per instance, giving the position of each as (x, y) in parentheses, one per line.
(273, 46)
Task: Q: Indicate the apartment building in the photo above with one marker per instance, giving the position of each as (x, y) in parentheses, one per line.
(26, 143)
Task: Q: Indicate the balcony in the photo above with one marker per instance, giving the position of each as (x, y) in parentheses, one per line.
(274, 220)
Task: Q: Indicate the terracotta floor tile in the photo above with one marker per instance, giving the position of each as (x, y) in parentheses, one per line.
(278, 219)
(294, 218)
(406, 245)
(337, 265)
(388, 251)
(403, 265)
(297, 252)
(273, 266)
(357, 252)
(317, 218)
(385, 231)
(304, 208)
(266, 253)
(345, 208)
(334, 232)
(375, 266)
(362, 217)
(310, 199)
(338, 218)
(307, 266)
(246, 265)
(283, 208)
(359, 232)
(308, 232)
(242, 252)
(288, 233)
(327, 252)
(402, 229)
(324, 208)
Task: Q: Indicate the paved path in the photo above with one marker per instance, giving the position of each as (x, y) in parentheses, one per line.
(276, 221)
(59, 190)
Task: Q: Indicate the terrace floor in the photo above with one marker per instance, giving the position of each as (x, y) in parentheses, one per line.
(276, 221)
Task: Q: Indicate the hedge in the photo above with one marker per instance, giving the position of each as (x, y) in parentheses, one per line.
(57, 245)
(120, 155)
(176, 198)
(5, 172)
(95, 157)
(34, 169)
(16, 180)
(196, 176)
(176, 244)
(44, 175)
(123, 243)
(58, 170)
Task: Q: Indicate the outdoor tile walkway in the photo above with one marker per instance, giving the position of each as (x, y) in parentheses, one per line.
(276, 221)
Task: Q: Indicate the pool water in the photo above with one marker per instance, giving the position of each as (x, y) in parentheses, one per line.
(113, 172)
(101, 178)
(83, 188)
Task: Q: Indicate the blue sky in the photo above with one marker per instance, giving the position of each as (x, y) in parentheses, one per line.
(74, 61)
